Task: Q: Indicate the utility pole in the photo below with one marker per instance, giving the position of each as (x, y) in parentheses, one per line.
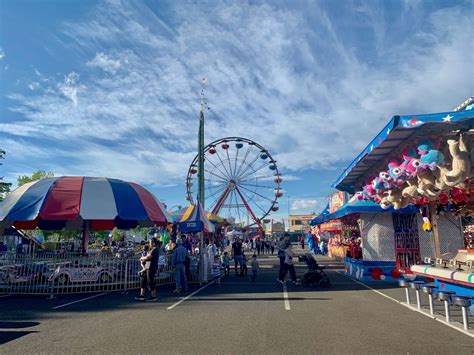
(201, 197)
(288, 212)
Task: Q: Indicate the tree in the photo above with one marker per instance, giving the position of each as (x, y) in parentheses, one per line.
(4, 186)
(37, 175)
(116, 235)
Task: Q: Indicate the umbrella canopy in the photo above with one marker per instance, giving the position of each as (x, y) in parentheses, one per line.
(184, 213)
(196, 221)
(69, 201)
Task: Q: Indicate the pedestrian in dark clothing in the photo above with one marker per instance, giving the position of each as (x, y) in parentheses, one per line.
(281, 247)
(148, 281)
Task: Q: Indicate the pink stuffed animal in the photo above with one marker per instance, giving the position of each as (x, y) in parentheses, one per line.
(396, 173)
(410, 165)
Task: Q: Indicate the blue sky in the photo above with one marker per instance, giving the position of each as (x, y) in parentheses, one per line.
(111, 88)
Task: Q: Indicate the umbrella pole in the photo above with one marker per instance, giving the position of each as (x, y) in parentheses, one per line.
(85, 237)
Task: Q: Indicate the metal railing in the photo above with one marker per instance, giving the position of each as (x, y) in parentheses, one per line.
(65, 274)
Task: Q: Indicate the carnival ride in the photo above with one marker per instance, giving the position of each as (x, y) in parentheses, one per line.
(242, 181)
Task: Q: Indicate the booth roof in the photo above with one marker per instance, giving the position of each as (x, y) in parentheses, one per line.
(401, 130)
(321, 217)
(361, 207)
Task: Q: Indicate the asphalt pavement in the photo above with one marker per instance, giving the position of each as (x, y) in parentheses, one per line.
(237, 317)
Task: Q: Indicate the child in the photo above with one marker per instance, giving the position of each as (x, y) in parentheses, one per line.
(216, 270)
(244, 265)
(255, 267)
(145, 264)
(226, 263)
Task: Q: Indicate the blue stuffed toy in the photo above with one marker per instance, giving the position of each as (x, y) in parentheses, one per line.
(429, 156)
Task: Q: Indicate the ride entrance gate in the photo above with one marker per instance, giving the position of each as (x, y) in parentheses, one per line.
(407, 241)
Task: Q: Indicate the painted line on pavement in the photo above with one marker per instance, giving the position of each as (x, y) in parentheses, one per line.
(190, 295)
(439, 318)
(82, 299)
(4, 296)
(285, 296)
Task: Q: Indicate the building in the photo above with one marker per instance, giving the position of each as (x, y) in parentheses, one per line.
(275, 228)
(299, 222)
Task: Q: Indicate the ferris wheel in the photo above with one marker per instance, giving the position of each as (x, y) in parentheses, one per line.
(242, 181)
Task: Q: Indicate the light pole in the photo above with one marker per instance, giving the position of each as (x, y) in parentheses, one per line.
(201, 153)
(288, 213)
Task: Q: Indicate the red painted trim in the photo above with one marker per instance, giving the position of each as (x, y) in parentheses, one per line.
(149, 203)
(221, 201)
(63, 201)
(255, 219)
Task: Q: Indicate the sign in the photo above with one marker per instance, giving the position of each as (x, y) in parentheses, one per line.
(336, 201)
(192, 226)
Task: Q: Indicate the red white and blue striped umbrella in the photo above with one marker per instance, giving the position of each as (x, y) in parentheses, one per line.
(69, 201)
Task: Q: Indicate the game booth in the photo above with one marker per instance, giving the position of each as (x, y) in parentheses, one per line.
(424, 163)
(365, 239)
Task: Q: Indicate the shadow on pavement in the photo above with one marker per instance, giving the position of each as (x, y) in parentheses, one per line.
(17, 325)
(6, 336)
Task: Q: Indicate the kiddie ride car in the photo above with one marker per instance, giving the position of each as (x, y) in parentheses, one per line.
(75, 272)
(22, 274)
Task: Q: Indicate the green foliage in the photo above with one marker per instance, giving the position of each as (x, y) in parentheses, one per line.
(116, 234)
(37, 175)
(101, 235)
(4, 186)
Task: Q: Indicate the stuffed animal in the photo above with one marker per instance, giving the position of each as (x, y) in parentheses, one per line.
(429, 156)
(378, 184)
(459, 197)
(396, 173)
(426, 224)
(426, 184)
(410, 165)
(387, 181)
(369, 192)
(410, 191)
(461, 163)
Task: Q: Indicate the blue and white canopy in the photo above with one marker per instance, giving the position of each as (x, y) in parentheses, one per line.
(399, 131)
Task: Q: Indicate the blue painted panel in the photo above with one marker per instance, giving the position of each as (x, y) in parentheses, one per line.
(29, 205)
(129, 205)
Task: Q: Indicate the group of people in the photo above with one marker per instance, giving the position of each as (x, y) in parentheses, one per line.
(220, 261)
(240, 260)
(149, 260)
(261, 246)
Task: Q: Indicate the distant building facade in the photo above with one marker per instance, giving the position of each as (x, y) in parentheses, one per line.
(299, 222)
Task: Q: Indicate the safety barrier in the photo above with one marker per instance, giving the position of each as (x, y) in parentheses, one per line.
(55, 275)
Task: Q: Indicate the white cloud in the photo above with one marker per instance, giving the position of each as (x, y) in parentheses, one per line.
(2, 53)
(296, 81)
(104, 62)
(69, 87)
(33, 85)
(304, 204)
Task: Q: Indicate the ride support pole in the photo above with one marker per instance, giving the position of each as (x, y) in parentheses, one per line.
(125, 278)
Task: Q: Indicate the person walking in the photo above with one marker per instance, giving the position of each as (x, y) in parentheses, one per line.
(302, 242)
(272, 246)
(259, 246)
(255, 267)
(281, 247)
(289, 266)
(148, 281)
(216, 270)
(237, 256)
(178, 261)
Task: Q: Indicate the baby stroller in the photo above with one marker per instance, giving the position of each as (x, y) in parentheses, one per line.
(315, 275)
